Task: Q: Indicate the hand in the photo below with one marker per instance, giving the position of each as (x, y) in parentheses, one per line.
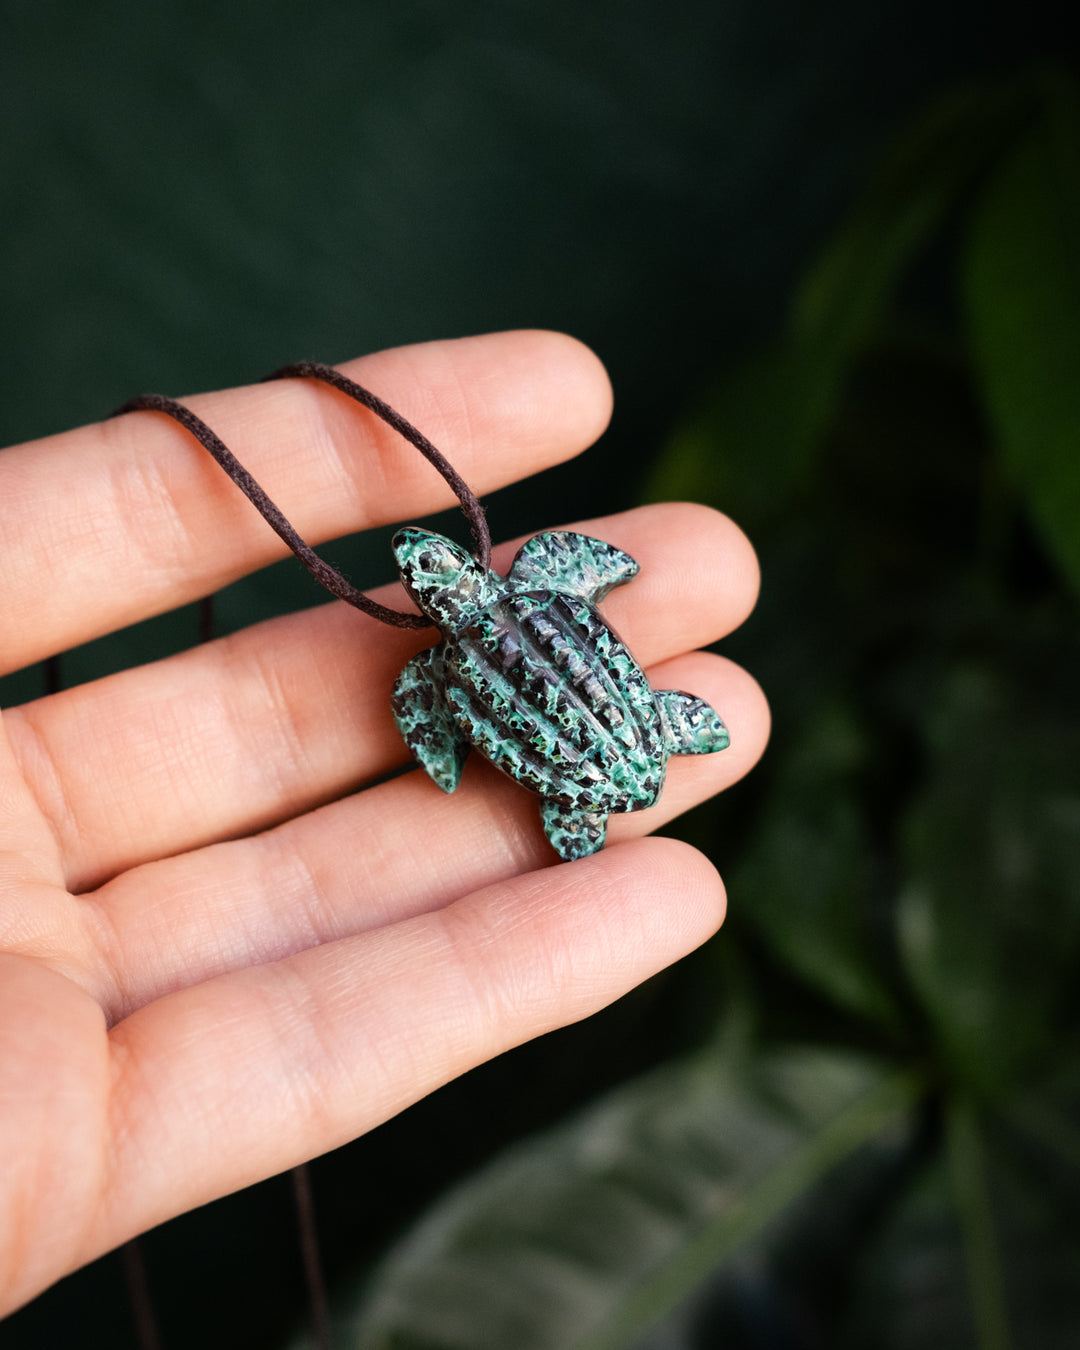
(213, 962)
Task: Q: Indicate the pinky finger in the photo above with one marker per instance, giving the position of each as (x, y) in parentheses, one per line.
(239, 1078)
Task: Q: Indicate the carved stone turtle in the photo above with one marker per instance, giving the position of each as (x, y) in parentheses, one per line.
(529, 673)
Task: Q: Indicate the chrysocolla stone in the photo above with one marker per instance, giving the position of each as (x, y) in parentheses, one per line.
(528, 673)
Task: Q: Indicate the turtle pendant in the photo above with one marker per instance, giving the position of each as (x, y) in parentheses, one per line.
(528, 672)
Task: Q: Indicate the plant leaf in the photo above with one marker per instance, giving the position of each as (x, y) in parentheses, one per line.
(1022, 289)
(983, 1250)
(967, 1164)
(754, 441)
(806, 881)
(910, 1290)
(990, 914)
(588, 1235)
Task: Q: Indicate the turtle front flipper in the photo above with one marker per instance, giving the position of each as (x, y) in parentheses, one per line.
(424, 720)
(691, 727)
(571, 564)
(572, 833)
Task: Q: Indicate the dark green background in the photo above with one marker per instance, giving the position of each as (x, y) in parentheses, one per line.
(193, 196)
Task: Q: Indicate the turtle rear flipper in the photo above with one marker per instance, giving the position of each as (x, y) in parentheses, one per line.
(572, 833)
(571, 564)
(691, 727)
(424, 720)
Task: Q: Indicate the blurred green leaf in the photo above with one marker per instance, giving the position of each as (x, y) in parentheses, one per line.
(587, 1236)
(1049, 1119)
(737, 452)
(806, 882)
(755, 439)
(931, 164)
(990, 913)
(967, 1166)
(910, 1291)
(983, 1251)
(1022, 289)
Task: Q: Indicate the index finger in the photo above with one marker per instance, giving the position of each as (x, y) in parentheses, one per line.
(127, 518)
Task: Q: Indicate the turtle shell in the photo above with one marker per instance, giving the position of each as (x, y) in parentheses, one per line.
(541, 685)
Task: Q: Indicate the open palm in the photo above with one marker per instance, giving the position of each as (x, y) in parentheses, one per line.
(214, 962)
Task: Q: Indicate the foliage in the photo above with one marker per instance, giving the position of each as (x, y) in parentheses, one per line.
(880, 1141)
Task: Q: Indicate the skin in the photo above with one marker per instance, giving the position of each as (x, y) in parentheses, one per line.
(213, 963)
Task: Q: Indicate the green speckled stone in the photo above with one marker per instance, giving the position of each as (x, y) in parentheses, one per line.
(529, 674)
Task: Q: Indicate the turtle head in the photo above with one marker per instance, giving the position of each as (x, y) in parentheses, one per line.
(443, 579)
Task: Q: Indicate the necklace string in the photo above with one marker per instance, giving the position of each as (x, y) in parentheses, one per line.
(323, 573)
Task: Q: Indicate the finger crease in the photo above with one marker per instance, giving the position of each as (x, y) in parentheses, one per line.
(31, 748)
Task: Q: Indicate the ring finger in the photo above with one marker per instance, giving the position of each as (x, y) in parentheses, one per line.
(371, 860)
